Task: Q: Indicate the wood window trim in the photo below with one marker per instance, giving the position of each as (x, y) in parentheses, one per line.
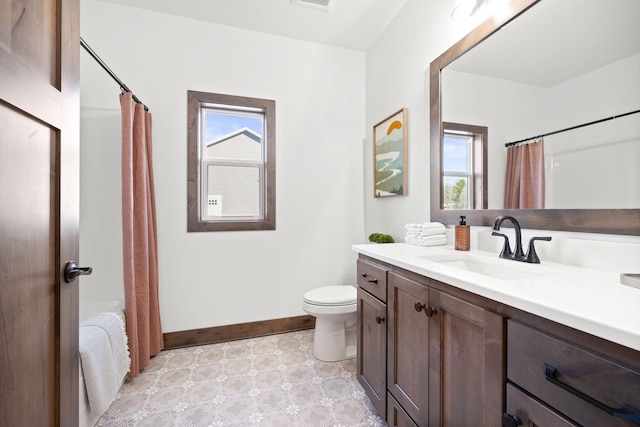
(194, 223)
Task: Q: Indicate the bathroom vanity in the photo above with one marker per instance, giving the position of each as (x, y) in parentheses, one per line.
(467, 339)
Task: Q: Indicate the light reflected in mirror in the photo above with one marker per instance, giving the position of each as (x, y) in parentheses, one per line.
(558, 65)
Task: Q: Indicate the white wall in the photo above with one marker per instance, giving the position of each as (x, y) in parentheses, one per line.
(212, 279)
(398, 76)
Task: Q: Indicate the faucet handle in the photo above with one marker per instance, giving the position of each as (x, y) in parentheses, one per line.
(532, 256)
(506, 249)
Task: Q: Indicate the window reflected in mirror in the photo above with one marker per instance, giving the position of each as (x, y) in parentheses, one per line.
(463, 164)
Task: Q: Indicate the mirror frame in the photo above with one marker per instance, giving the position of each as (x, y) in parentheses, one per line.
(607, 221)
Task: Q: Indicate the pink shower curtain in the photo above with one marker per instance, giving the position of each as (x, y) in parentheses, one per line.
(524, 180)
(140, 250)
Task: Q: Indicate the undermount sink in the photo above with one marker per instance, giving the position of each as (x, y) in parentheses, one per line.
(496, 268)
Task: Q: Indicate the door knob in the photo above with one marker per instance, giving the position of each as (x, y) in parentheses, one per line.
(71, 271)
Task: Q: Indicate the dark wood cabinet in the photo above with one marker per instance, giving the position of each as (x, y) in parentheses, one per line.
(466, 363)
(576, 381)
(372, 349)
(444, 357)
(408, 346)
(454, 358)
(371, 361)
(523, 409)
(396, 415)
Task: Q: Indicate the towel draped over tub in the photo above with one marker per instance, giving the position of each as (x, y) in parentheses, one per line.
(104, 357)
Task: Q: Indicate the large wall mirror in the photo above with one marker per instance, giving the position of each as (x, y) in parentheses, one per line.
(537, 67)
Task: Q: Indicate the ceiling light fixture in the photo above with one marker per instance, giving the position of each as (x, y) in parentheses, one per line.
(465, 9)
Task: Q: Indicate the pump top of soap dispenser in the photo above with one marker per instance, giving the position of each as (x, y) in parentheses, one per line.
(462, 221)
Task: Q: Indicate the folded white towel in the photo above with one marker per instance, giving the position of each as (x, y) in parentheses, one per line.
(427, 228)
(435, 240)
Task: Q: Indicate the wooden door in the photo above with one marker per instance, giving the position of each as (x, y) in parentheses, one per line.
(39, 209)
(409, 311)
(372, 349)
(466, 359)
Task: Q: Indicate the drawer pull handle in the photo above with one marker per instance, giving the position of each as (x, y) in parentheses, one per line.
(429, 311)
(379, 319)
(627, 412)
(372, 280)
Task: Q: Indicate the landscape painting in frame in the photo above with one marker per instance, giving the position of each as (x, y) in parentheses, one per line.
(390, 155)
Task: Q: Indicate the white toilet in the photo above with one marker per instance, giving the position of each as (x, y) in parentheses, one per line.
(335, 309)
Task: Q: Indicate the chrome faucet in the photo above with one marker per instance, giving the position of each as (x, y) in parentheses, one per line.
(518, 255)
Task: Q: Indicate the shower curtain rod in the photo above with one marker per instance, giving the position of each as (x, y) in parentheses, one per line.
(123, 87)
(511, 144)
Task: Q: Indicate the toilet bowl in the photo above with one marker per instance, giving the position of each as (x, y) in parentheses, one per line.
(335, 309)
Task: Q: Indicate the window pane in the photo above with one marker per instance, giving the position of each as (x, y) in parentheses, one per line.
(456, 192)
(456, 153)
(233, 134)
(233, 191)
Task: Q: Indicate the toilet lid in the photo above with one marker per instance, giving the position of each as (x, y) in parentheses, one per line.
(331, 295)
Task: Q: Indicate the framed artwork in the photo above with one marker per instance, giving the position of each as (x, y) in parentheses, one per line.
(390, 155)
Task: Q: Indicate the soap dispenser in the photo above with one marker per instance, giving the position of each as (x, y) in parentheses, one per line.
(463, 235)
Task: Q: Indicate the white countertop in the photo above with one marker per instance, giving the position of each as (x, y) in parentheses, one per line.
(590, 300)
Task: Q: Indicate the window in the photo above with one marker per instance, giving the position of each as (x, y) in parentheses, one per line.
(231, 163)
(464, 183)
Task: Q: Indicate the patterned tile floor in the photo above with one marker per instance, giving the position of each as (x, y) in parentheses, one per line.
(267, 381)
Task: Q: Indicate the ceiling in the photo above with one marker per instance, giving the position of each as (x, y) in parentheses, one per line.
(352, 24)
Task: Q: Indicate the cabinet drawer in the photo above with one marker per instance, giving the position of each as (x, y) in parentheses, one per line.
(531, 412)
(373, 279)
(576, 382)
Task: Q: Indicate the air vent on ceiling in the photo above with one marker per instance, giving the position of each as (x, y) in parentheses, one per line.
(325, 5)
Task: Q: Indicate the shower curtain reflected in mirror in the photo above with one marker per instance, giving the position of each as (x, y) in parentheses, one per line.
(139, 236)
(524, 180)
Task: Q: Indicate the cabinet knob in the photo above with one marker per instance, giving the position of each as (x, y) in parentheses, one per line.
(379, 319)
(509, 420)
(429, 311)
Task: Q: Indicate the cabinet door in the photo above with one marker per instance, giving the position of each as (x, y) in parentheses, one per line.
(466, 364)
(408, 346)
(397, 417)
(372, 349)
(530, 412)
